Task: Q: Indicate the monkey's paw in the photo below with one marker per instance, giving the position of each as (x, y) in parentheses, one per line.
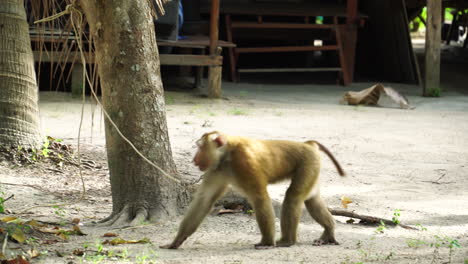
(261, 246)
(169, 246)
(329, 241)
(284, 243)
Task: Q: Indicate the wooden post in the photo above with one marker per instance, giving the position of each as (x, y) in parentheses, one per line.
(214, 72)
(433, 41)
(348, 37)
(214, 78)
(351, 11)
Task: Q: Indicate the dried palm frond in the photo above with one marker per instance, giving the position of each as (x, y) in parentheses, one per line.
(371, 96)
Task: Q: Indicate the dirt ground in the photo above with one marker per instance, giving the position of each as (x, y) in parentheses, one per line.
(415, 161)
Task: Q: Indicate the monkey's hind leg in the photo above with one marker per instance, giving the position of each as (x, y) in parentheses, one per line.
(290, 215)
(319, 212)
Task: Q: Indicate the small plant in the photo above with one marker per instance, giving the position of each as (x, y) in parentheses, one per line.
(96, 253)
(32, 241)
(170, 100)
(396, 216)
(122, 254)
(45, 147)
(381, 228)
(61, 213)
(51, 149)
(2, 201)
(237, 111)
(421, 227)
(441, 242)
(415, 243)
(99, 246)
(433, 92)
(146, 257)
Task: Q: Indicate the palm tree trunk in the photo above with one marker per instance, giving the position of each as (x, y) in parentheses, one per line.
(132, 94)
(19, 114)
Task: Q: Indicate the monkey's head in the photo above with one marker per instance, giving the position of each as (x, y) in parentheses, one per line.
(211, 148)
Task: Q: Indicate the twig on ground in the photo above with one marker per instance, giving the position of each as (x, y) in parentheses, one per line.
(54, 170)
(11, 196)
(5, 243)
(368, 219)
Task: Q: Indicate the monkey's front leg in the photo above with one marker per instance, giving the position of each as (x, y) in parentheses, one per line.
(211, 189)
(265, 216)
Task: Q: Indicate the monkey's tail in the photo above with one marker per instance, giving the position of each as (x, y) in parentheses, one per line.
(330, 155)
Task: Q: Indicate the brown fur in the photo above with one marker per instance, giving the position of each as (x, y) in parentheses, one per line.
(250, 165)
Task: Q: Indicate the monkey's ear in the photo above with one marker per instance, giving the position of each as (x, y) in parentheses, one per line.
(220, 141)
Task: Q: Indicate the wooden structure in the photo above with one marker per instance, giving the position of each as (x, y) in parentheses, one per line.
(213, 60)
(343, 21)
(435, 20)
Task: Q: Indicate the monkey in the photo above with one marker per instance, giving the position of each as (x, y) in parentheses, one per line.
(249, 165)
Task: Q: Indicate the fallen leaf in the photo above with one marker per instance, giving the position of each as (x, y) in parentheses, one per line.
(118, 241)
(34, 223)
(110, 235)
(7, 219)
(50, 242)
(33, 253)
(48, 230)
(345, 201)
(63, 235)
(18, 235)
(17, 260)
(78, 252)
(77, 231)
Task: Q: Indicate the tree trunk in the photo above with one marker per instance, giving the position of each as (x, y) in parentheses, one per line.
(19, 114)
(132, 94)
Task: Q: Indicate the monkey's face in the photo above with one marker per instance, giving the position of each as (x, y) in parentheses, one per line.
(211, 148)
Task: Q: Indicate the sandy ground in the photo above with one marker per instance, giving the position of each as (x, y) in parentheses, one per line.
(415, 161)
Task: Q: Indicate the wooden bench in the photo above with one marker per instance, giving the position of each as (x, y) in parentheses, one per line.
(213, 60)
(202, 43)
(190, 42)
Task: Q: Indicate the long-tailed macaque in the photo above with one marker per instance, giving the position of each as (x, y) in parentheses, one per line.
(250, 165)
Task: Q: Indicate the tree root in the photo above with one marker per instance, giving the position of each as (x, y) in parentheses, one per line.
(140, 217)
(121, 218)
(367, 219)
(127, 217)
